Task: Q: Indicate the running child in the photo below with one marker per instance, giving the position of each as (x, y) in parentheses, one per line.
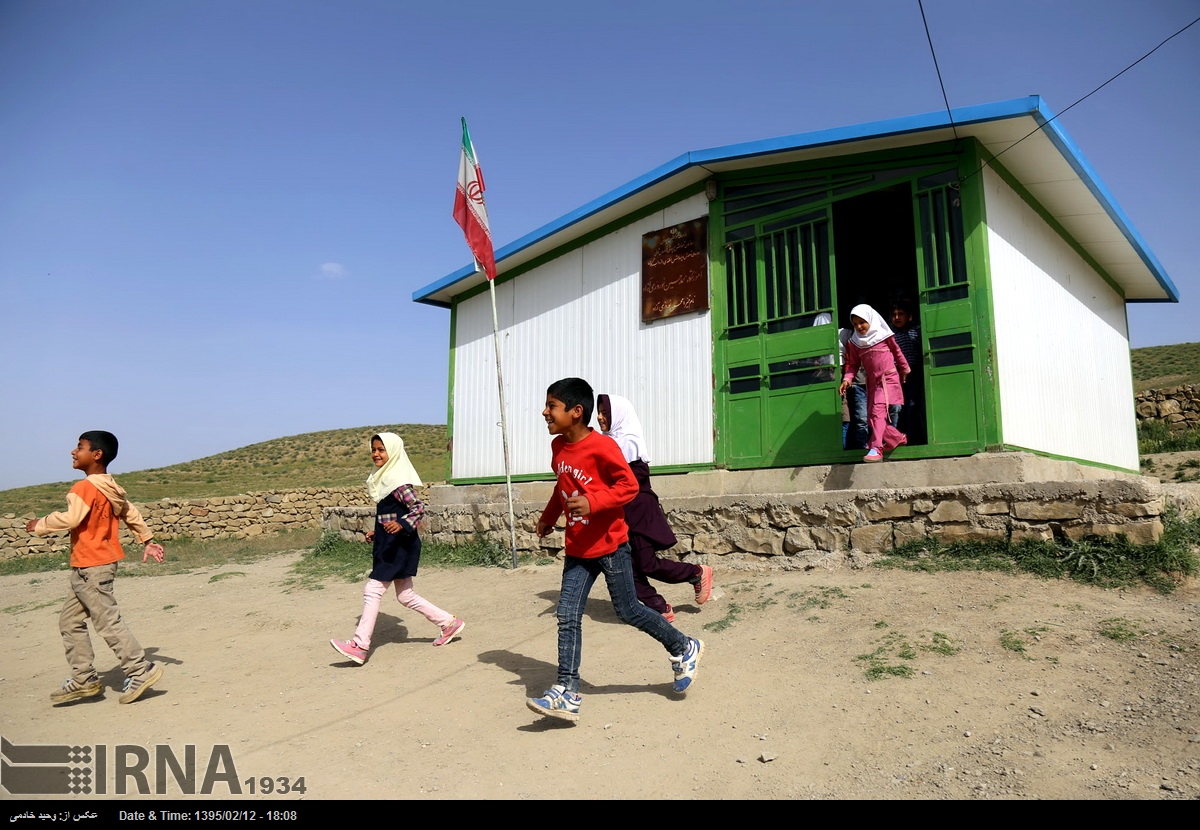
(94, 507)
(593, 484)
(648, 528)
(873, 346)
(397, 548)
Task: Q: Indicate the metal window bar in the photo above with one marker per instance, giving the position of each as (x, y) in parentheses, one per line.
(741, 284)
(942, 237)
(796, 265)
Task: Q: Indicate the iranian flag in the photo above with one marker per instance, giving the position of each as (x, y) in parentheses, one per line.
(469, 210)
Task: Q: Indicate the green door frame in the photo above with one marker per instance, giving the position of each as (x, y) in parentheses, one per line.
(956, 308)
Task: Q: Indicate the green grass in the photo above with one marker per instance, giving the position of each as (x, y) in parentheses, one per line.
(941, 644)
(183, 555)
(1015, 641)
(334, 458)
(882, 662)
(335, 558)
(1120, 629)
(732, 613)
(480, 552)
(819, 597)
(1155, 437)
(1105, 562)
(1156, 367)
(31, 606)
(322, 557)
(1012, 641)
(33, 564)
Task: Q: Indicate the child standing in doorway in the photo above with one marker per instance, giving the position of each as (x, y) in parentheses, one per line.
(397, 548)
(873, 346)
(593, 484)
(648, 528)
(908, 338)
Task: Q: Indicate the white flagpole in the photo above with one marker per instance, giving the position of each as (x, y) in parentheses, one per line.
(512, 525)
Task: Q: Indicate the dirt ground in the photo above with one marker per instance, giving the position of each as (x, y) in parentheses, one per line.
(1015, 692)
(1173, 466)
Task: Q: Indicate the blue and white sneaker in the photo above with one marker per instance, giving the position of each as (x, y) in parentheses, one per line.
(687, 665)
(556, 702)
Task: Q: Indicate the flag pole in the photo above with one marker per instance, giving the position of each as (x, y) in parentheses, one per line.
(512, 525)
(470, 213)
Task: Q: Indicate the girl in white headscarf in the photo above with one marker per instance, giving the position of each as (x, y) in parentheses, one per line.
(873, 346)
(648, 528)
(397, 548)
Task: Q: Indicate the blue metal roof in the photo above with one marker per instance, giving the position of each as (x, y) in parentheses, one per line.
(697, 165)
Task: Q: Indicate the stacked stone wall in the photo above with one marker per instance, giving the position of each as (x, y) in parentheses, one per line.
(803, 530)
(242, 516)
(1176, 406)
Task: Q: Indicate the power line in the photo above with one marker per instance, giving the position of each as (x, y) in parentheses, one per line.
(1080, 101)
(937, 68)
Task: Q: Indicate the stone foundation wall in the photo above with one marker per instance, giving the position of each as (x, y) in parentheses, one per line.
(231, 516)
(1176, 406)
(800, 530)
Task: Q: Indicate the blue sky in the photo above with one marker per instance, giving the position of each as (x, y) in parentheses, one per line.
(213, 214)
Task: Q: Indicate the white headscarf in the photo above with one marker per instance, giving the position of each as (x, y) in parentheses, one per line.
(625, 428)
(877, 333)
(397, 470)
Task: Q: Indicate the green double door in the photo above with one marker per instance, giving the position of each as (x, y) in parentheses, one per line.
(777, 360)
(780, 345)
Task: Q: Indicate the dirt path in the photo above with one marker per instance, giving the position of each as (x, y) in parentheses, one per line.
(1015, 692)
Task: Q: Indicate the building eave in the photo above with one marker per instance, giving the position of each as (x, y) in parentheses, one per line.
(1031, 144)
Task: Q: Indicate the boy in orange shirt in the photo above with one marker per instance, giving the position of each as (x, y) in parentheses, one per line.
(93, 507)
(593, 484)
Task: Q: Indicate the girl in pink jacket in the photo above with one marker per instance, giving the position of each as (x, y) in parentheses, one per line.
(874, 347)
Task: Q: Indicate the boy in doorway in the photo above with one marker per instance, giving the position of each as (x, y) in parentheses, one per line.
(908, 338)
(93, 507)
(593, 484)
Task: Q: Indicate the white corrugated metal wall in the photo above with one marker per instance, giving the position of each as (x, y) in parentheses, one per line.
(580, 315)
(1062, 342)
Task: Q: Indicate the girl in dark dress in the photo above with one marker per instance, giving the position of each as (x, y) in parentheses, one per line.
(648, 528)
(397, 548)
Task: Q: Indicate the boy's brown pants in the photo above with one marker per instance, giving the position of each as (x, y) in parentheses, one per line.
(92, 598)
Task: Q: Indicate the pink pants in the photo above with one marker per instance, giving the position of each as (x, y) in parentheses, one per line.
(884, 436)
(406, 596)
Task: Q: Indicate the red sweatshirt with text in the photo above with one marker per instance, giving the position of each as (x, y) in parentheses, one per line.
(593, 467)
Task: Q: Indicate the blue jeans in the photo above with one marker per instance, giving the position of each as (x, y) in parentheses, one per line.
(855, 437)
(578, 577)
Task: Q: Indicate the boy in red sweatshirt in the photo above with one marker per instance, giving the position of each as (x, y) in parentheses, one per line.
(593, 484)
(94, 506)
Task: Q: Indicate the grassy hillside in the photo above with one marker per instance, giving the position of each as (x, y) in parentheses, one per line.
(334, 458)
(1157, 366)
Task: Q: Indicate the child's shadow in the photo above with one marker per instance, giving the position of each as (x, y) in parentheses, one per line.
(535, 676)
(114, 678)
(388, 629)
(597, 609)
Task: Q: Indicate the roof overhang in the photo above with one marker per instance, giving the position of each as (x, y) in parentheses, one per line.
(1036, 151)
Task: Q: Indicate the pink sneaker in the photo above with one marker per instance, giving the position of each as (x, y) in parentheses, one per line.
(451, 631)
(669, 614)
(704, 586)
(350, 650)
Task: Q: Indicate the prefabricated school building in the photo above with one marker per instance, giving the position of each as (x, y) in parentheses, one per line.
(1016, 259)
